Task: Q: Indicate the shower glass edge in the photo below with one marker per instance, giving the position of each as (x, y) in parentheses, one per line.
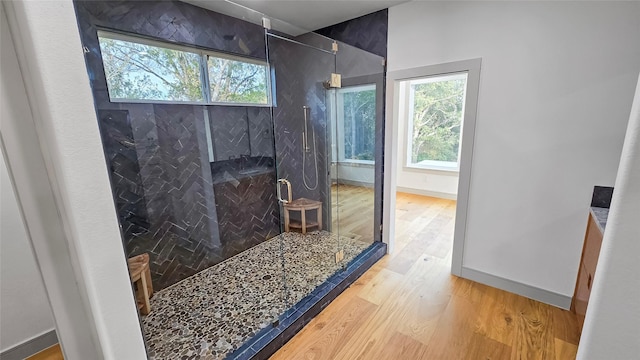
(302, 107)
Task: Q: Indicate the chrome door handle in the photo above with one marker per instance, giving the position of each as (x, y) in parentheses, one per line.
(279, 191)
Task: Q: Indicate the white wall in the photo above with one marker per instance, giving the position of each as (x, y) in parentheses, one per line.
(53, 148)
(611, 326)
(354, 174)
(556, 85)
(24, 308)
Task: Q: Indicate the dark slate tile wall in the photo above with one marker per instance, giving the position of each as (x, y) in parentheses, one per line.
(241, 131)
(602, 196)
(183, 236)
(260, 132)
(230, 131)
(160, 171)
(122, 158)
(368, 32)
(249, 209)
(300, 71)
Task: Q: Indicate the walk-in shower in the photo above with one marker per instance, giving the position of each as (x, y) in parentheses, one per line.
(206, 157)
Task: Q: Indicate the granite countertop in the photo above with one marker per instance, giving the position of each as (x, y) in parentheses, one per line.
(600, 214)
(600, 203)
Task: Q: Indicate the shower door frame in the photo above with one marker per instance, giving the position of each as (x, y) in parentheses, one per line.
(379, 81)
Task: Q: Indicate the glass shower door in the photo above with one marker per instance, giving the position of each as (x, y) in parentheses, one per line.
(300, 112)
(359, 143)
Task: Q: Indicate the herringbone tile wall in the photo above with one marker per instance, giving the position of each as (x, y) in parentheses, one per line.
(157, 154)
(122, 157)
(172, 203)
(368, 32)
(300, 72)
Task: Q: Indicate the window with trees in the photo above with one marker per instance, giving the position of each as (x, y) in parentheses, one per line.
(435, 110)
(356, 118)
(145, 70)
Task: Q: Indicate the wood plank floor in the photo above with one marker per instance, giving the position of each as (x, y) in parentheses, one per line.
(52, 353)
(352, 211)
(408, 306)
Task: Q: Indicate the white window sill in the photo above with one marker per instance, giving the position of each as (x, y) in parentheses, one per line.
(427, 168)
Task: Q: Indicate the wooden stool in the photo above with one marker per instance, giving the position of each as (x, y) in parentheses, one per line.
(302, 205)
(141, 278)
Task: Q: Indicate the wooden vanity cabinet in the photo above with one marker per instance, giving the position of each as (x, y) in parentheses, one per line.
(586, 273)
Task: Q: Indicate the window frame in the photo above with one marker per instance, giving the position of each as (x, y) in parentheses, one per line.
(203, 54)
(408, 112)
(340, 125)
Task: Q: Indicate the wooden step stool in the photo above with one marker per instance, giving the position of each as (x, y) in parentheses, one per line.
(141, 278)
(302, 205)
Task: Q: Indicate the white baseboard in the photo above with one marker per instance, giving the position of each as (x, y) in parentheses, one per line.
(436, 194)
(355, 183)
(30, 347)
(531, 292)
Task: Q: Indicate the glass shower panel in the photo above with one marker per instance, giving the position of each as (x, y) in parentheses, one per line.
(358, 136)
(301, 102)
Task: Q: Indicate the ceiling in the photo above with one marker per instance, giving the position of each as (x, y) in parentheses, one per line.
(296, 17)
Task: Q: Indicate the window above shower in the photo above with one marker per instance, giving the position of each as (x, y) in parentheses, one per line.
(356, 123)
(148, 71)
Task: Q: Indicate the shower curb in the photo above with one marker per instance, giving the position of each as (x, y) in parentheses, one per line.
(267, 341)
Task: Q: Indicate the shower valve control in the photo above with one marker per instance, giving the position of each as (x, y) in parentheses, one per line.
(336, 81)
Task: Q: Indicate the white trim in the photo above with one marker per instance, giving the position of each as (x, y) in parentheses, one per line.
(436, 194)
(548, 297)
(57, 162)
(433, 165)
(394, 78)
(356, 88)
(438, 78)
(27, 167)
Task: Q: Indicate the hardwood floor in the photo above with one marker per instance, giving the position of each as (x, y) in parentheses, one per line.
(352, 211)
(408, 306)
(52, 353)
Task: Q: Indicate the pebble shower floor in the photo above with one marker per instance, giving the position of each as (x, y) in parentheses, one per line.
(211, 314)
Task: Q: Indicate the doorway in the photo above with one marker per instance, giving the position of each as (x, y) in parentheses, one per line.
(429, 144)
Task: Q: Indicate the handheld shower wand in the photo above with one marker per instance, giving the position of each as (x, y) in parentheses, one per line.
(305, 134)
(306, 149)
